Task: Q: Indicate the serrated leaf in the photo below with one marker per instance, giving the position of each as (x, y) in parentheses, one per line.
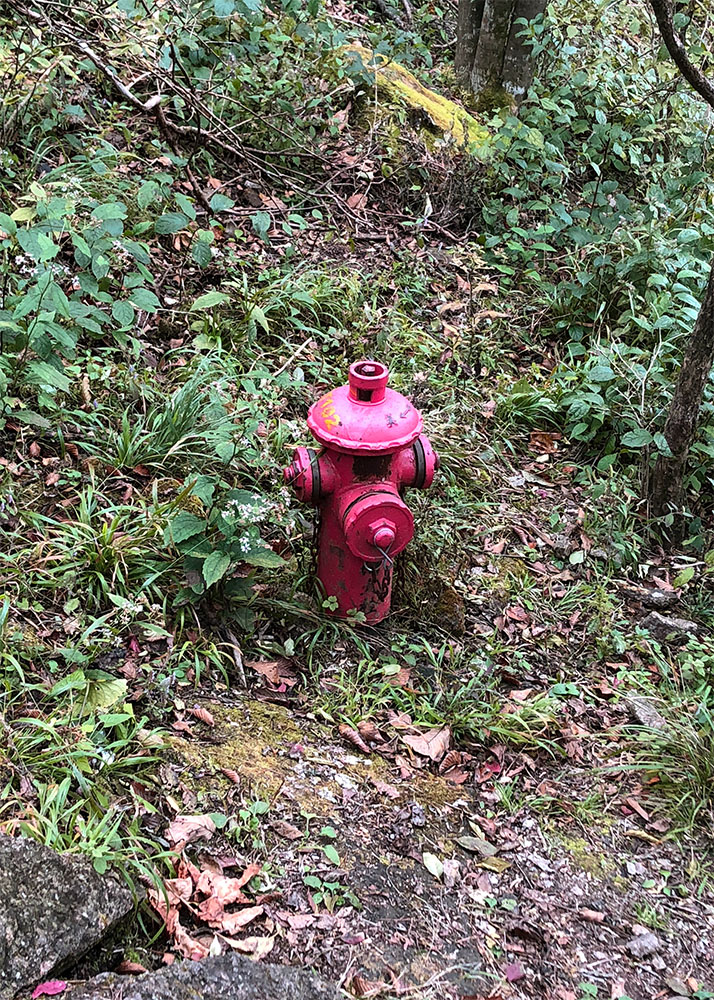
(265, 558)
(637, 438)
(43, 373)
(184, 525)
(144, 298)
(210, 299)
(434, 865)
(215, 567)
(170, 223)
(123, 313)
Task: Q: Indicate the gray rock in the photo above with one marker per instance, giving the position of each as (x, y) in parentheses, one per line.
(643, 945)
(643, 710)
(661, 626)
(53, 909)
(660, 599)
(225, 977)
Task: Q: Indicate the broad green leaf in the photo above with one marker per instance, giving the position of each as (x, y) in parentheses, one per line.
(103, 693)
(184, 525)
(7, 225)
(684, 577)
(43, 373)
(261, 223)
(219, 203)
(185, 204)
(144, 298)
(215, 567)
(210, 299)
(112, 210)
(331, 854)
(123, 313)
(148, 191)
(24, 214)
(637, 438)
(170, 223)
(265, 558)
(259, 316)
(31, 418)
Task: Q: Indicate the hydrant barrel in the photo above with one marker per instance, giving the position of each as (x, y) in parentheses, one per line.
(372, 450)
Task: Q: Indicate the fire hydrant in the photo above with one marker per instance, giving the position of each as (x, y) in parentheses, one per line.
(372, 449)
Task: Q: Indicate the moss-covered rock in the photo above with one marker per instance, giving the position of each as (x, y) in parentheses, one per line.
(396, 83)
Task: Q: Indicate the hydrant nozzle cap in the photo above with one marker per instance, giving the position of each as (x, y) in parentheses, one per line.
(368, 381)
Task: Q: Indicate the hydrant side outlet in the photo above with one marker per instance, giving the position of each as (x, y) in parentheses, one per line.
(373, 449)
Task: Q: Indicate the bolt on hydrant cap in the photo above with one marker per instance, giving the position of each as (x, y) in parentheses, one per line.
(365, 416)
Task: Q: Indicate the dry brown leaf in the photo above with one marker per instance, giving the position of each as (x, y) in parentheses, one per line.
(353, 737)
(298, 921)
(203, 714)
(127, 968)
(385, 788)
(276, 672)
(368, 731)
(34, 450)
(52, 479)
(357, 201)
(433, 744)
(230, 923)
(258, 947)
(231, 775)
(188, 829)
(287, 830)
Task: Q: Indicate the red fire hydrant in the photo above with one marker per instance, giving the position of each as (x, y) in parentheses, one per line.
(372, 450)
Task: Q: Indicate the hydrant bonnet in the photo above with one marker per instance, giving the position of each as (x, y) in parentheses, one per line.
(365, 416)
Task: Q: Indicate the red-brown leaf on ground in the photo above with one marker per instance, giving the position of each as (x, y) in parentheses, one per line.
(231, 923)
(188, 829)
(433, 744)
(357, 201)
(544, 442)
(368, 731)
(128, 968)
(353, 737)
(231, 775)
(203, 714)
(400, 720)
(286, 830)
(276, 672)
(52, 988)
(385, 788)
(365, 988)
(258, 947)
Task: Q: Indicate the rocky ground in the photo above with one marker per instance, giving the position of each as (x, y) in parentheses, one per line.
(379, 873)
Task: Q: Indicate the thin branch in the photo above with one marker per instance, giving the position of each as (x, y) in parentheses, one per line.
(675, 46)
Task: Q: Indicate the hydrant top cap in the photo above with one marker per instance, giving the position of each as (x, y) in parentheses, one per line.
(365, 416)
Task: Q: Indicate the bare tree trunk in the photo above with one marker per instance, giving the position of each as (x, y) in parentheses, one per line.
(467, 34)
(486, 73)
(517, 74)
(666, 491)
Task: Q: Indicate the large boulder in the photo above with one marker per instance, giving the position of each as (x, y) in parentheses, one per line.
(53, 909)
(225, 977)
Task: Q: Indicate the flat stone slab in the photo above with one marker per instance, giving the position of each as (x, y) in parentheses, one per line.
(225, 977)
(53, 909)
